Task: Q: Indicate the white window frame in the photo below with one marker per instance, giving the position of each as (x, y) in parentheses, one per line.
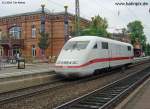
(33, 32)
(13, 32)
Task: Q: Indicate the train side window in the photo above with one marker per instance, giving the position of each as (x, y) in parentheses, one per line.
(95, 46)
(104, 45)
(129, 48)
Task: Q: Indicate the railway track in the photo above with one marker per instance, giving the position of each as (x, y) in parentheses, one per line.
(36, 90)
(30, 91)
(108, 96)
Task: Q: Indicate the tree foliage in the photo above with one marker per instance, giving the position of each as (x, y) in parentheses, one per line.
(147, 51)
(43, 41)
(136, 30)
(97, 27)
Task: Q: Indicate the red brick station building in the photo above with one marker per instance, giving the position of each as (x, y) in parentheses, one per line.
(20, 33)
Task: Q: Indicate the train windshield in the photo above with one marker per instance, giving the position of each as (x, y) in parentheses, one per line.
(79, 45)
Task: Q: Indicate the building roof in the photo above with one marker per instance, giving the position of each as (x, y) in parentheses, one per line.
(39, 12)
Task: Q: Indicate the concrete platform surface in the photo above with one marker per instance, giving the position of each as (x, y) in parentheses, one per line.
(139, 99)
(29, 69)
(12, 78)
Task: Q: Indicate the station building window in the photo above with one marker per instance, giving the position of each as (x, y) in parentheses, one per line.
(15, 50)
(33, 32)
(33, 51)
(15, 32)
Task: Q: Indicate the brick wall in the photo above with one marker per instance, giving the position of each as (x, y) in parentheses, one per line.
(54, 26)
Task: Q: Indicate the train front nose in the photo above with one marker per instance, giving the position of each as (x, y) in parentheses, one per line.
(67, 68)
(72, 57)
(72, 68)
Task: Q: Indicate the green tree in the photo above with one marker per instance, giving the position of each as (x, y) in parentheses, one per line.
(43, 41)
(97, 27)
(135, 28)
(147, 49)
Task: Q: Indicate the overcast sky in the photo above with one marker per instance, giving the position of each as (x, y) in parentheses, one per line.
(118, 16)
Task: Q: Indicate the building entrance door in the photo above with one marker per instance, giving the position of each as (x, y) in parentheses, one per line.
(15, 51)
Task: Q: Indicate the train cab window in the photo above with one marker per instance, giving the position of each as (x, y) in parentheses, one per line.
(95, 46)
(78, 45)
(104, 45)
(129, 48)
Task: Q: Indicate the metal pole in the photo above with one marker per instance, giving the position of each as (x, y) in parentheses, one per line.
(43, 19)
(42, 30)
(77, 18)
(66, 25)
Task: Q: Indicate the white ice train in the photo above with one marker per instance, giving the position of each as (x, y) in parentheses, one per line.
(83, 55)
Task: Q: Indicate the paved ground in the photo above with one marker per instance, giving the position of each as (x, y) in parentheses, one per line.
(139, 99)
(12, 70)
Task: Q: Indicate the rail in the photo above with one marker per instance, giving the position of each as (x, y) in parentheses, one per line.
(136, 60)
(108, 96)
(35, 90)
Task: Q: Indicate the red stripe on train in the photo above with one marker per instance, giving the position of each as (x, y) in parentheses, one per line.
(97, 61)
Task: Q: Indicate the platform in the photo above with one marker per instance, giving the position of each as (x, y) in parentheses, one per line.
(138, 59)
(12, 78)
(139, 99)
(11, 70)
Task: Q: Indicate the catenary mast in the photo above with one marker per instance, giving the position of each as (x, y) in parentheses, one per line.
(77, 18)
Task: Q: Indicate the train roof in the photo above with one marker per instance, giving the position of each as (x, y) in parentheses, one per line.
(96, 38)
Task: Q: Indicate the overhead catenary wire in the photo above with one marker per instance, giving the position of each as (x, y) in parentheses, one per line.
(132, 12)
(69, 8)
(98, 4)
(113, 13)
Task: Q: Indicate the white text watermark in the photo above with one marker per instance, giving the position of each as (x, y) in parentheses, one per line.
(131, 3)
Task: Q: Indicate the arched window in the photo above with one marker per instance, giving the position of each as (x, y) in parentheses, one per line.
(33, 32)
(15, 32)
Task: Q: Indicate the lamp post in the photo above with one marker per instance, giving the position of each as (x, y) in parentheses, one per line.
(42, 28)
(66, 25)
(43, 19)
(77, 18)
(42, 8)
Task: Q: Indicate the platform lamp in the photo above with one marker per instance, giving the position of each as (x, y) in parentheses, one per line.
(66, 25)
